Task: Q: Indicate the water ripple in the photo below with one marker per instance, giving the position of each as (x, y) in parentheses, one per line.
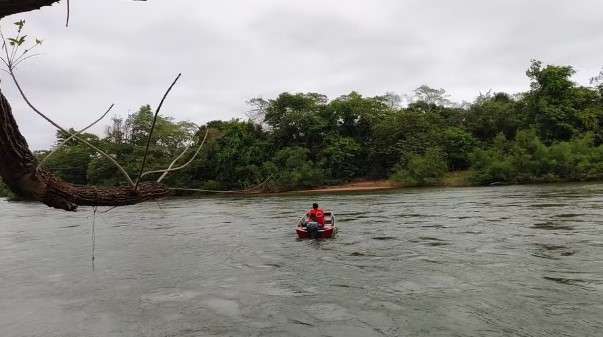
(497, 261)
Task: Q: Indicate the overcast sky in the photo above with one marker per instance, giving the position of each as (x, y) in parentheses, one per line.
(128, 52)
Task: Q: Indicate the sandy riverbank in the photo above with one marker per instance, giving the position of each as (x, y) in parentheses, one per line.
(451, 179)
(361, 186)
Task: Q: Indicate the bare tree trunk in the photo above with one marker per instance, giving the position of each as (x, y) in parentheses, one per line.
(18, 170)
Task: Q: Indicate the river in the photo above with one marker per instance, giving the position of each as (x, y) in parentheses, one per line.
(495, 261)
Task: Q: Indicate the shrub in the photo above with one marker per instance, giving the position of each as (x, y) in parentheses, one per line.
(212, 185)
(528, 159)
(422, 170)
(295, 169)
(457, 144)
(342, 158)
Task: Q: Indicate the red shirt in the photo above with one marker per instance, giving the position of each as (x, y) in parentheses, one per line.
(317, 215)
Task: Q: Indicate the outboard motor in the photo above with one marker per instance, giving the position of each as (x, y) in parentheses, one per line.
(313, 230)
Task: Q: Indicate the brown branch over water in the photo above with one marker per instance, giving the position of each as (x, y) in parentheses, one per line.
(146, 151)
(18, 170)
(19, 167)
(53, 123)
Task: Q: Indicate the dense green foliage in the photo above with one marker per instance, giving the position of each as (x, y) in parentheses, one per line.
(422, 170)
(550, 133)
(528, 160)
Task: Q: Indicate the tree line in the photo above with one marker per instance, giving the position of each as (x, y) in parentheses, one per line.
(552, 132)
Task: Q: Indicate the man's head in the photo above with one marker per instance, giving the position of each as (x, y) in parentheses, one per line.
(315, 205)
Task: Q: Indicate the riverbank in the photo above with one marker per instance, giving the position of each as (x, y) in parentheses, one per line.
(451, 179)
(359, 186)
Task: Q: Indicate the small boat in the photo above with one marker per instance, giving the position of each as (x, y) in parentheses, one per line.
(328, 231)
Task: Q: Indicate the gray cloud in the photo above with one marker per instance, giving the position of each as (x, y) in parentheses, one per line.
(127, 52)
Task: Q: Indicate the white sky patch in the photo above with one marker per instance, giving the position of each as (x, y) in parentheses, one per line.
(127, 52)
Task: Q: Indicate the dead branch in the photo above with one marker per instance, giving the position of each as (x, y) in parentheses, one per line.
(68, 14)
(77, 133)
(53, 123)
(173, 169)
(18, 166)
(170, 169)
(146, 151)
(11, 60)
(18, 170)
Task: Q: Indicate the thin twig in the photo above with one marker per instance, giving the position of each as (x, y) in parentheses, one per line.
(109, 210)
(171, 169)
(6, 64)
(23, 56)
(172, 163)
(21, 59)
(146, 151)
(68, 14)
(123, 171)
(94, 209)
(11, 64)
(14, 46)
(61, 144)
(5, 48)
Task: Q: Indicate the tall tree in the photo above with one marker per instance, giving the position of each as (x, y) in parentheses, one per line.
(551, 102)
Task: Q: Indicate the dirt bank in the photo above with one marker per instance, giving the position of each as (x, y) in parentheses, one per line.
(360, 186)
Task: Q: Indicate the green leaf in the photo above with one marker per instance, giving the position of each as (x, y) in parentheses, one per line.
(20, 24)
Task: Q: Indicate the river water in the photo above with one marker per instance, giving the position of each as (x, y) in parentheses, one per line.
(500, 261)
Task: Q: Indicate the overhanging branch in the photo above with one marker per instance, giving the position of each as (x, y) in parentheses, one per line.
(9, 7)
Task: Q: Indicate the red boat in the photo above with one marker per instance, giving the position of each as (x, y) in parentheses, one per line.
(328, 231)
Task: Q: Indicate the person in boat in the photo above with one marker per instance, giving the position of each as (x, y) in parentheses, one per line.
(316, 215)
(314, 221)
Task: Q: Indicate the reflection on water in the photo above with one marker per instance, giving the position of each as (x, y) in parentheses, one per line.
(504, 261)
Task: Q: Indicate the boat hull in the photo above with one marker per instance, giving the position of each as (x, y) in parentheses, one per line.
(325, 233)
